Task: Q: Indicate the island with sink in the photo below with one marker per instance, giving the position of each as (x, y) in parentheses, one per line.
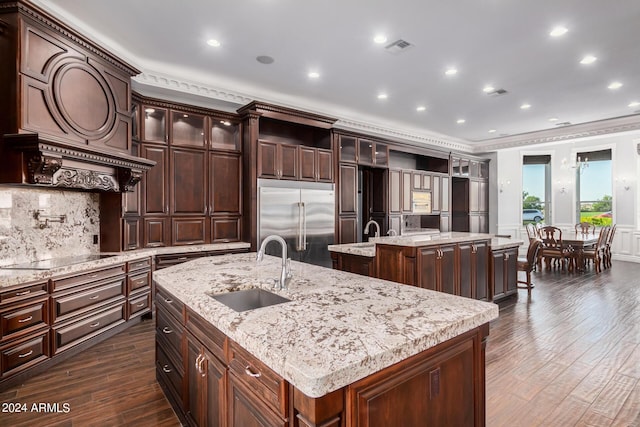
(473, 265)
(331, 349)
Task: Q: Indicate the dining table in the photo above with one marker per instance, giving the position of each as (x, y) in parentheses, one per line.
(578, 242)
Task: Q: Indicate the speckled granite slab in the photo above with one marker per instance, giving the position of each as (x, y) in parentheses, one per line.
(338, 328)
(9, 277)
(504, 243)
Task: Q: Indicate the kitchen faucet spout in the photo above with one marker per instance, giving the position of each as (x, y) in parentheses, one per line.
(366, 228)
(285, 273)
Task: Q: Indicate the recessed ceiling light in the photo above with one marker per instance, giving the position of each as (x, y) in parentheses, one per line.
(380, 38)
(588, 59)
(525, 106)
(460, 121)
(213, 42)
(451, 71)
(553, 119)
(149, 110)
(382, 96)
(313, 74)
(421, 108)
(615, 85)
(265, 59)
(634, 104)
(492, 131)
(558, 31)
(488, 88)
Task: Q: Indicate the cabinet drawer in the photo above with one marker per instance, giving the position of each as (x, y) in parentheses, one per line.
(139, 264)
(170, 330)
(138, 281)
(65, 306)
(167, 260)
(166, 369)
(70, 334)
(25, 353)
(259, 378)
(22, 319)
(81, 279)
(169, 303)
(23, 292)
(139, 305)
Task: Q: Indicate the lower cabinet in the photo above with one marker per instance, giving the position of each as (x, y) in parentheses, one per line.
(474, 265)
(436, 268)
(246, 410)
(353, 263)
(503, 273)
(206, 378)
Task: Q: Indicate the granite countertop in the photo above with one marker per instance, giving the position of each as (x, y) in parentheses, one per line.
(11, 277)
(338, 328)
(368, 249)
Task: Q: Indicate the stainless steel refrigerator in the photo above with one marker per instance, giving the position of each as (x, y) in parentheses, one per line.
(300, 212)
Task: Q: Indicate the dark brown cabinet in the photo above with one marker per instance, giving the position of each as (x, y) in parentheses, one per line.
(187, 129)
(277, 161)
(437, 268)
(503, 273)
(316, 164)
(224, 190)
(206, 385)
(353, 263)
(348, 203)
(155, 188)
(395, 191)
(474, 264)
(188, 182)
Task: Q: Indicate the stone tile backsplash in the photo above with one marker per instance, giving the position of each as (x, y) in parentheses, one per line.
(30, 229)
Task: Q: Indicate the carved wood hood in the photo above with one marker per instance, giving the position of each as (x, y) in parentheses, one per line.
(66, 118)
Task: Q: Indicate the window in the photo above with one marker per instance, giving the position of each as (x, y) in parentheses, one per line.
(594, 186)
(536, 205)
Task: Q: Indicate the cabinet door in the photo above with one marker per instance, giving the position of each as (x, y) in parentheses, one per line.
(187, 129)
(288, 161)
(417, 181)
(435, 194)
(325, 165)
(247, 410)
(215, 386)
(428, 268)
(481, 264)
(444, 204)
(395, 223)
(445, 223)
(447, 270)
(154, 125)
(308, 170)
(395, 192)
(365, 152)
(156, 180)
(347, 148)
(348, 189)
(467, 269)
(155, 232)
(225, 183)
(406, 191)
(225, 229)
(348, 229)
(483, 196)
(497, 278)
(267, 160)
(188, 231)
(131, 234)
(474, 196)
(206, 399)
(188, 182)
(426, 181)
(381, 154)
(131, 199)
(511, 271)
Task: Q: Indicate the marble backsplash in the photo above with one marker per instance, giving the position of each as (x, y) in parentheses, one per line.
(30, 227)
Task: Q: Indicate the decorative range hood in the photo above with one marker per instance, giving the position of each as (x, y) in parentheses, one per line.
(28, 159)
(65, 113)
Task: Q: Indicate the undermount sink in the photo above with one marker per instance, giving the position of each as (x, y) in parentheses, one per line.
(249, 299)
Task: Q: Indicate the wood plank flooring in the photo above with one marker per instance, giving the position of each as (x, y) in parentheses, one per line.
(567, 356)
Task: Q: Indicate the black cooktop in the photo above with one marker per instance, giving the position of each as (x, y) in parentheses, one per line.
(48, 264)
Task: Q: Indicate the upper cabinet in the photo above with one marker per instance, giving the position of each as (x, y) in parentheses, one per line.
(187, 129)
(363, 151)
(154, 124)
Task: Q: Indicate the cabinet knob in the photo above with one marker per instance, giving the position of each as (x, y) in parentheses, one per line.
(166, 369)
(166, 330)
(251, 373)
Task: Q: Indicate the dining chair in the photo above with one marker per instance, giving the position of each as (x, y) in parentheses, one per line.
(585, 228)
(608, 243)
(553, 248)
(532, 231)
(527, 264)
(597, 253)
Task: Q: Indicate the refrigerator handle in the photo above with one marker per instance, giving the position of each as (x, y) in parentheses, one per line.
(304, 227)
(299, 246)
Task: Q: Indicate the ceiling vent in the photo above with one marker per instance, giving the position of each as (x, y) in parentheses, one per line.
(497, 92)
(398, 46)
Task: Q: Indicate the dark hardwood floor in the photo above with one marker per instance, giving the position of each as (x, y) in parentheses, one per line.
(567, 356)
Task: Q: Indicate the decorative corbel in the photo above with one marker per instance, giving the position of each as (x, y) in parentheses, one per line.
(128, 178)
(42, 168)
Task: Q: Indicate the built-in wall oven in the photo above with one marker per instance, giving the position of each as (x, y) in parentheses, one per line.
(421, 202)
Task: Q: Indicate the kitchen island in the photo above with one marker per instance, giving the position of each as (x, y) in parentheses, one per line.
(344, 348)
(473, 265)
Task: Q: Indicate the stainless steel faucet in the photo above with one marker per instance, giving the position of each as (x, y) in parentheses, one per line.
(366, 228)
(392, 232)
(285, 273)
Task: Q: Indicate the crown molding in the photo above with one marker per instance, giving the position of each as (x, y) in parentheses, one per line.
(567, 133)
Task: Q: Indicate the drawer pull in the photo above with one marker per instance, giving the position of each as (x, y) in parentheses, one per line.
(168, 301)
(166, 369)
(25, 319)
(27, 292)
(28, 353)
(248, 371)
(166, 330)
(182, 258)
(95, 297)
(93, 276)
(94, 325)
(142, 304)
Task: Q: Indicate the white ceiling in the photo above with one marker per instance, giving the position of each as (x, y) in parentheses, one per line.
(505, 43)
